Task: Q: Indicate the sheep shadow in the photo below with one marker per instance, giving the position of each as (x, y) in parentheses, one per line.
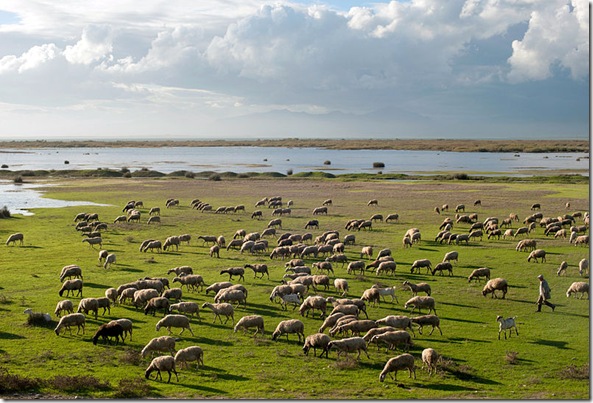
(214, 342)
(552, 343)
(446, 387)
(192, 385)
(131, 270)
(94, 285)
(461, 320)
(10, 336)
(460, 305)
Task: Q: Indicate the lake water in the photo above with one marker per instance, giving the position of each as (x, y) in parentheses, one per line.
(20, 198)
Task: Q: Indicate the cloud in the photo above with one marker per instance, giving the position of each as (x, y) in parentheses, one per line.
(94, 45)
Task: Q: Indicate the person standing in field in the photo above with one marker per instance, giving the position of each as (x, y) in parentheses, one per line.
(544, 294)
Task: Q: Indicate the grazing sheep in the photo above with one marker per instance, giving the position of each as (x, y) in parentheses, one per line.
(453, 255)
(373, 202)
(441, 267)
(162, 363)
(429, 360)
(109, 260)
(354, 266)
(221, 309)
(172, 320)
(331, 320)
(188, 307)
(371, 295)
(14, 238)
(477, 273)
(64, 305)
(504, 324)
(397, 322)
(249, 321)
(538, 253)
(103, 254)
(421, 263)
(161, 343)
(347, 309)
(375, 331)
(231, 295)
(416, 288)
(421, 302)
(583, 266)
(195, 281)
(392, 217)
(387, 267)
(234, 271)
(341, 286)
(141, 297)
(94, 241)
(495, 284)
(289, 326)
(562, 268)
(393, 340)
(156, 303)
(191, 353)
(70, 271)
(72, 319)
(260, 268)
(88, 304)
(317, 340)
(218, 286)
(181, 270)
(355, 327)
(349, 345)
(37, 318)
(170, 242)
(105, 303)
(427, 320)
(399, 363)
(107, 330)
(578, 287)
(126, 324)
(111, 294)
(313, 303)
(383, 252)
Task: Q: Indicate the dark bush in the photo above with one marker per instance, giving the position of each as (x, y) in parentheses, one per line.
(4, 166)
(289, 172)
(18, 179)
(327, 162)
(461, 176)
(215, 177)
(127, 174)
(4, 212)
(78, 383)
(190, 175)
(132, 389)
(378, 165)
(16, 383)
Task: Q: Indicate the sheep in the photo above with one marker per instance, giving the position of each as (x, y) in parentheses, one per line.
(64, 305)
(421, 263)
(195, 281)
(346, 309)
(401, 362)
(88, 304)
(14, 238)
(258, 268)
(289, 326)
(416, 288)
(218, 286)
(426, 320)
(349, 345)
(156, 303)
(94, 241)
(393, 339)
(170, 242)
(581, 239)
(161, 343)
(317, 340)
(105, 303)
(453, 255)
(371, 295)
(375, 331)
(221, 309)
(312, 303)
(397, 322)
(231, 295)
(172, 320)
(383, 291)
(72, 319)
(373, 202)
(191, 353)
(70, 271)
(355, 326)
(495, 284)
(387, 267)
(141, 297)
(578, 287)
(441, 267)
(359, 303)
(538, 253)
(246, 322)
(562, 268)
(162, 363)
(234, 271)
(392, 217)
(127, 293)
(421, 302)
(107, 330)
(526, 244)
(109, 260)
(477, 273)
(504, 324)
(111, 294)
(429, 360)
(341, 286)
(331, 320)
(583, 266)
(126, 324)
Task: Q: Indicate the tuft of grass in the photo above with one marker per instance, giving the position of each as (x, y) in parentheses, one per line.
(132, 388)
(17, 383)
(574, 372)
(511, 357)
(78, 383)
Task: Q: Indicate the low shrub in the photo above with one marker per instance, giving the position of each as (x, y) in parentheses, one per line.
(5, 212)
(378, 165)
(78, 383)
(16, 383)
(132, 388)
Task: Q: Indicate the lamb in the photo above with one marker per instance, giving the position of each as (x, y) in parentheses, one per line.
(195, 281)
(538, 253)
(477, 273)
(416, 288)
(70, 271)
(14, 238)
(421, 263)
(349, 345)
(191, 353)
(312, 303)
(107, 330)
(249, 321)
(162, 363)
(186, 308)
(397, 322)
(289, 326)
(72, 319)
(495, 284)
(161, 343)
(234, 271)
(429, 359)
(578, 287)
(421, 302)
(317, 340)
(221, 309)
(341, 286)
(504, 324)
(156, 303)
(126, 324)
(64, 305)
(401, 362)
(71, 285)
(172, 320)
(393, 339)
(427, 320)
(583, 266)
(88, 304)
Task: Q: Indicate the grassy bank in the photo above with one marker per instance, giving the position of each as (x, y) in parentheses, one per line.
(548, 360)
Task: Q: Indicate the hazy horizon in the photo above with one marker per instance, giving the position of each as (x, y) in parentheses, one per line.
(300, 69)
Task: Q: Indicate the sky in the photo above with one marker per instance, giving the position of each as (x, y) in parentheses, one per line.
(224, 69)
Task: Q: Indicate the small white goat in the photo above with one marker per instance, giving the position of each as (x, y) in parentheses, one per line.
(508, 323)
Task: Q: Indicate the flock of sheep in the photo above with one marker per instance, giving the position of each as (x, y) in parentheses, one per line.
(302, 283)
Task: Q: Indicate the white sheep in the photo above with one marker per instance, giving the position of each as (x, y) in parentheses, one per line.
(401, 362)
(341, 286)
(191, 353)
(162, 363)
(156, 303)
(72, 319)
(64, 305)
(111, 294)
(162, 343)
(230, 295)
(504, 324)
(349, 345)
(70, 271)
(105, 303)
(126, 324)
(315, 341)
(141, 297)
(188, 307)
(583, 266)
(578, 287)
(453, 255)
(109, 260)
(477, 273)
(173, 320)
(416, 288)
(195, 281)
(71, 285)
(289, 326)
(294, 299)
(562, 268)
(355, 327)
(312, 303)
(495, 284)
(88, 304)
(537, 254)
(418, 264)
(249, 321)
(221, 309)
(127, 293)
(421, 302)
(393, 339)
(371, 295)
(429, 359)
(218, 286)
(397, 322)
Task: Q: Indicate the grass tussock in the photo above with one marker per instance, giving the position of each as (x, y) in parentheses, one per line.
(574, 372)
(132, 388)
(77, 383)
(511, 357)
(18, 384)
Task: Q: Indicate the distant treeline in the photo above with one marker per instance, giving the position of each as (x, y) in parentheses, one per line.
(459, 145)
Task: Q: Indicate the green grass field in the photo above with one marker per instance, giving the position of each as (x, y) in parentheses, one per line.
(548, 360)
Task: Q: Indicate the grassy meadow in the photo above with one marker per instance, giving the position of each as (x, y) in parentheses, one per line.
(548, 360)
